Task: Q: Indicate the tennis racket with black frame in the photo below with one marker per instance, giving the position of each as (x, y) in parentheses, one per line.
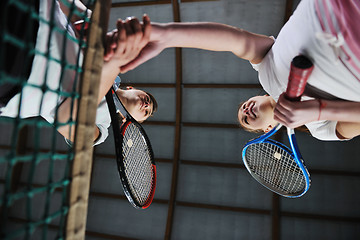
(276, 166)
(134, 154)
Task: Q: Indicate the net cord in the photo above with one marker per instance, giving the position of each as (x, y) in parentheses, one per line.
(81, 169)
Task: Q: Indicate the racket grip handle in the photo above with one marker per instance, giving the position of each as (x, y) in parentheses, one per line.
(300, 70)
(78, 25)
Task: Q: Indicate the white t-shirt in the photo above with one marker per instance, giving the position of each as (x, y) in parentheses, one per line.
(35, 102)
(302, 34)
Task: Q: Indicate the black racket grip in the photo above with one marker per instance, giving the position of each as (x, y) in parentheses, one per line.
(300, 70)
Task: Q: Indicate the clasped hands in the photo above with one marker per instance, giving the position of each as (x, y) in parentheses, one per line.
(123, 44)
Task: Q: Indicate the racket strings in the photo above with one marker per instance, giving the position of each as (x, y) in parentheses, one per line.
(137, 163)
(276, 167)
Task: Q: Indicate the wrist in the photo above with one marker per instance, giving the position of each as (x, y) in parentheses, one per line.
(322, 105)
(160, 33)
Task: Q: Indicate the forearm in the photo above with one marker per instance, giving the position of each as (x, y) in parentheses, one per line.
(214, 37)
(347, 115)
(109, 72)
(68, 109)
(341, 111)
(295, 114)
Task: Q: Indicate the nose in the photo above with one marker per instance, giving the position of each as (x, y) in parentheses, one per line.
(146, 103)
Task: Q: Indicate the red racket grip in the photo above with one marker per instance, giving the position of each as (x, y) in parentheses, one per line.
(79, 25)
(300, 70)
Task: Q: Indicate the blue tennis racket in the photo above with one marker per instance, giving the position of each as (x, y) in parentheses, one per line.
(276, 166)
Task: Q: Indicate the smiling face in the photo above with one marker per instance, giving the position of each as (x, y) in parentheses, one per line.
(137, 102)
(257, 113)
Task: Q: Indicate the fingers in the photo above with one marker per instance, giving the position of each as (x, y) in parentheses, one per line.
(110, 44)
(137, 32)
(283, 112)
(285, 103)
(122, 36)
(295, 114)
(281, 116)
(146, 30)
(124, 44)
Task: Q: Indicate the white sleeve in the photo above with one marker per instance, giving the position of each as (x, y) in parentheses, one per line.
(104, 133)
(324, 130)
(102, 121)
(257, 65)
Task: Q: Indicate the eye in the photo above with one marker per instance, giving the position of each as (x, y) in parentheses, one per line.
(246, 120)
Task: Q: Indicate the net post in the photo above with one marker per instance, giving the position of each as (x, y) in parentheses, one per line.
(83, 148)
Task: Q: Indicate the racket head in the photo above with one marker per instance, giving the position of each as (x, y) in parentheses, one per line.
(273, 164)
(276, 166)
(134, 155)
(136, 165)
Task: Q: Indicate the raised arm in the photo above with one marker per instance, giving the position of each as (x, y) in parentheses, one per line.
(130, 37)
(295, 114)
(207, 36)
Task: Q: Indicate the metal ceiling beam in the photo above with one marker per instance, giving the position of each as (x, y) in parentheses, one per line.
(276, 208)
(177, 144)
(223, 208)
(150, 85)
(139, 3)
(192, 85)
(208, 85)
(122, 197)
(192, 124)
(211, 125)
(275, 217)
(314, 216)
(288, 10)
(301, 215)
(321, 217)
(107, 236)
(213, 164)
(154, 2)
(88, 233)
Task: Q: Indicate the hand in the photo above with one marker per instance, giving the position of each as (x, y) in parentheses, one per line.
(296, 114)
(154, 47)
(110, 44)
(125, 43)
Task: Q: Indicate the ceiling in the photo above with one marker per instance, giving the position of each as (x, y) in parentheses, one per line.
(203, 190)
